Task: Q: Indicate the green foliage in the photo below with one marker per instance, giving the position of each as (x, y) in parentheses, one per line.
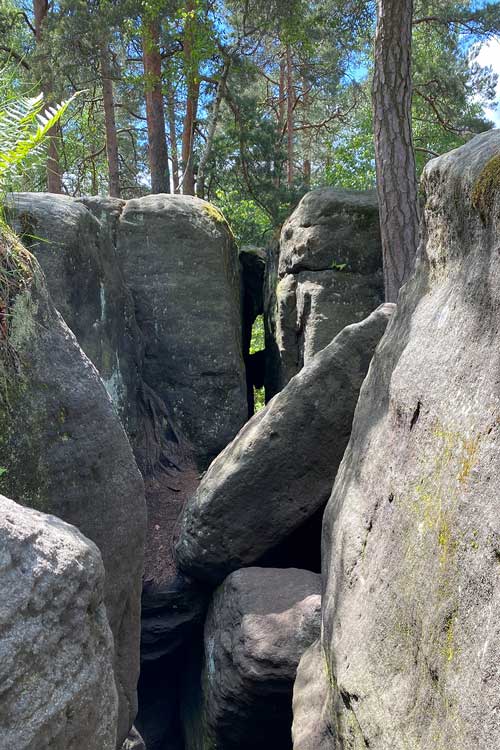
(257, 344)
(24, 127)
(249, 222)
(246, 172)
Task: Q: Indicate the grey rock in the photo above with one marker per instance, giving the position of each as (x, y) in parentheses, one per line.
(77, 254)
(324, 276)
(313, 717)
(66, 452)
(411, 544)
(134, 741)
(331, 227)
(181, 264)
(280, 469)
(57, 690)
(171, 612)
(259, 623)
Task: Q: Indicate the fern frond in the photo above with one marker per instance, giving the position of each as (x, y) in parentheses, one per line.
(24, 126)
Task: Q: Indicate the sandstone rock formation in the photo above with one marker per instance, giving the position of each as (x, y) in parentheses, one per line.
(134, 741)
(64, 451)
(78, 257)
(150, 287)
(57, 689)
(313, 716)
(180, 262)
(411, 547)
(324, 276)
(280, 469)
(259, 623)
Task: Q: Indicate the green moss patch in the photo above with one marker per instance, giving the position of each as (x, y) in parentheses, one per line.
(486, 188)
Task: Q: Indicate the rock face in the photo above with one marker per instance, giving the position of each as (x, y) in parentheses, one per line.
(312, 703)
(260, 488)
(150, 287)
(180, 262)
(57, 690)
(411, 547)
(259, 623)
(77, 255)
(134, 741)
(325, 275)
(65, 452)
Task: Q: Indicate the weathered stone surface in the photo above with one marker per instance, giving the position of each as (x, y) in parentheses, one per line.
(134, 741)
(57, 690)
(181, 264)
(280, 469)
(259, 623)
(411, 547)
(326, 275)
(331, 227)
(77, 254)
(171, 612)
(66, 453)
(312, 703)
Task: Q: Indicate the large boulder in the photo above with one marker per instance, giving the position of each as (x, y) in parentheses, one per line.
(64, 451)
(324, 276)
(57, 690)
(280, 469)
(77, 254)
(260, 622)
(411, 547)
(313, 719)
(181, 264)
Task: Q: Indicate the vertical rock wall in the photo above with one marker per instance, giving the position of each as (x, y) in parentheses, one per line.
(64, 451)
(324, 274)
(411, 543)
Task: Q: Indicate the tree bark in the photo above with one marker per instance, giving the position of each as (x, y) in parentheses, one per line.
(110, 123)
(54, 173)
(193, 89)
(306, 143)
(173, 136)
(282, 95)
(395, 160)
(155, 115)
(289, 116)
(214, 118)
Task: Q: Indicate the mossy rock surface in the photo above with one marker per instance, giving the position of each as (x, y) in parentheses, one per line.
(487, 187)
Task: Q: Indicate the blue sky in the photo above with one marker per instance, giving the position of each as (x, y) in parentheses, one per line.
(490, 55)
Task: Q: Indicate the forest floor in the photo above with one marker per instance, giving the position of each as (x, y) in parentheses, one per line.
(166, 495)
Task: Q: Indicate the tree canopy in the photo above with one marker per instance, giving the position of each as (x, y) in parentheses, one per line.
(248, 103)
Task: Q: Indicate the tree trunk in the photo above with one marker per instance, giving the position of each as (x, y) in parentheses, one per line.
(282, 95)
(395, 160)
(173, 136)
(155, 115)
(200, 182)
(289, 116)
(54, 175)
(193, 88)
(306, 142)
(110, 124)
